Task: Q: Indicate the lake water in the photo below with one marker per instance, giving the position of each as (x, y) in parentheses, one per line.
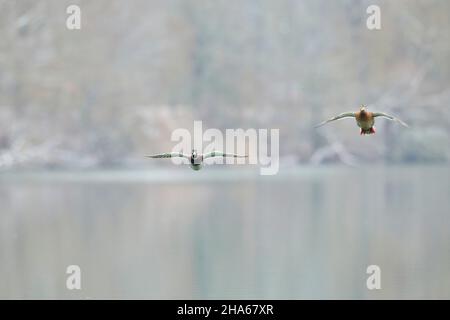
(227, 233)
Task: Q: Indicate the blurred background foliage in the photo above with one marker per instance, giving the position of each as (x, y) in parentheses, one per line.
(109, 93)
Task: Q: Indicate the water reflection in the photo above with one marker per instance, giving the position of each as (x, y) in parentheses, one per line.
(228, 233)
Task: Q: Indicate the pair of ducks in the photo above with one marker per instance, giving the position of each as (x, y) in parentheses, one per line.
(364, 119)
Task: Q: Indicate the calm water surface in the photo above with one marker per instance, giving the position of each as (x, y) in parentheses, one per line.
(227, 233)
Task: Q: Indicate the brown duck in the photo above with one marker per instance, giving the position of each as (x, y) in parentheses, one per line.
(364, 119)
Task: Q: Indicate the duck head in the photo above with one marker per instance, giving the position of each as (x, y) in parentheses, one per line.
(362, 109)
(196, 159)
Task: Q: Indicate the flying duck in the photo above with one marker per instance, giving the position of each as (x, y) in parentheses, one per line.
(364, 119)
(196, 159)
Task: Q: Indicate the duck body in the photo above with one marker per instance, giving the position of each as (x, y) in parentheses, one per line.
(365, 120)
(196, 167)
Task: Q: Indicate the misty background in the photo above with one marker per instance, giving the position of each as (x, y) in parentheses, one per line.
(79, 109)
(113, 91)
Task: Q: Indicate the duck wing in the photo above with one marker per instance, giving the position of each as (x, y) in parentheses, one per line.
(387, 116)
(221, 154)
(169, 155)
(338, 117)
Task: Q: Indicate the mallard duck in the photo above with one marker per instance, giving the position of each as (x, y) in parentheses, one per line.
(364, 119)
(195, 159)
